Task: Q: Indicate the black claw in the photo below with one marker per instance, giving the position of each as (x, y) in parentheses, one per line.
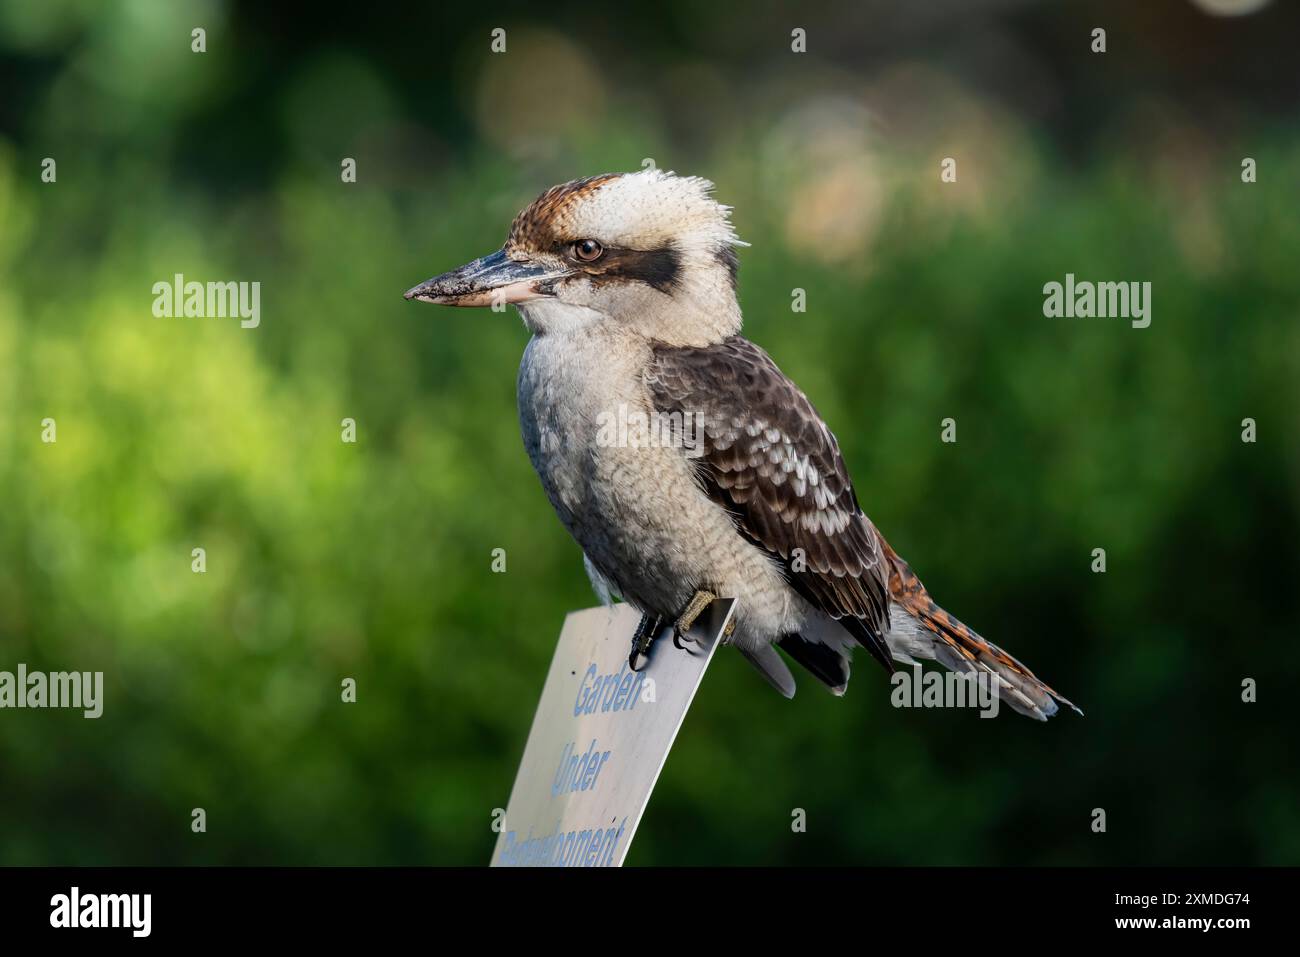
(678, 638)
(642, 640)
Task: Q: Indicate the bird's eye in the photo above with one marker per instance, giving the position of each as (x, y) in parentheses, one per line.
(588, 250)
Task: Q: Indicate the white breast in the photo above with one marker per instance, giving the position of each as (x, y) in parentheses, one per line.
(637, 512)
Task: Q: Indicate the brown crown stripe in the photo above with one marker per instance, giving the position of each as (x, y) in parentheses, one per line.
(535, 225)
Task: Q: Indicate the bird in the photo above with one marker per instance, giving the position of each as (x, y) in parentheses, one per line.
(627, 283)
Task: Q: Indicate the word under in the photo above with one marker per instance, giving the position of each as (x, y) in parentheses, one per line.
(578, 773)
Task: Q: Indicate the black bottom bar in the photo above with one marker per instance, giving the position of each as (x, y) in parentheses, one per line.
(335, 905)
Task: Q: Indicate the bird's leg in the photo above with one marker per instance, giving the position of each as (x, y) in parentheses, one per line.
(700, 601)
(645, 633)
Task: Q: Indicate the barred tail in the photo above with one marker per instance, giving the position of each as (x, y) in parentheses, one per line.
(921, 629)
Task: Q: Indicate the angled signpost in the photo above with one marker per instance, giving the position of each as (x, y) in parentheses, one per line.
(600, 737)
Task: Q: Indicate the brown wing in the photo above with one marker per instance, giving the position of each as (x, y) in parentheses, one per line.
(765, 455)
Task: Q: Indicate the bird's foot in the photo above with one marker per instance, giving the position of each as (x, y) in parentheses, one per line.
(700, 601)
(729, 630)
(642, 639)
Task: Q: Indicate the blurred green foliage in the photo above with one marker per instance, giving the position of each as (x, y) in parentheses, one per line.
(327, 560)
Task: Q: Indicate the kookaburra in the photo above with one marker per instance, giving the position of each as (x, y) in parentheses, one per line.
(627, 283)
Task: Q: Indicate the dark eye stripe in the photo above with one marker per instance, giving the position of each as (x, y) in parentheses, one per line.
(658, 268)
(726, 255)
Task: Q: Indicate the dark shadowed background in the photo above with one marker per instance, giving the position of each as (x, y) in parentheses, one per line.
(372, 560)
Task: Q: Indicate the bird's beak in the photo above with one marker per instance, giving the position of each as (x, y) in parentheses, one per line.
(485, 282)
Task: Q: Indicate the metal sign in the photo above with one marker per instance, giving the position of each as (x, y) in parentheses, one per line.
(600, 738)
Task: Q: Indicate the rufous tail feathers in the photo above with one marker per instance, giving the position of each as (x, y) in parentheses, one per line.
(927, 631)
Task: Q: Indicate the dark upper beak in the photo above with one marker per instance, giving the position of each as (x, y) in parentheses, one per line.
(484, 282)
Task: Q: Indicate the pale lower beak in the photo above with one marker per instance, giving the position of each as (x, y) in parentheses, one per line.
(485, 282)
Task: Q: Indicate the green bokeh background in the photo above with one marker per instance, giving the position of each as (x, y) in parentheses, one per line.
(327, 560)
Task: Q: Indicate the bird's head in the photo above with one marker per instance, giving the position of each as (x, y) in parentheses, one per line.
(650, 253)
